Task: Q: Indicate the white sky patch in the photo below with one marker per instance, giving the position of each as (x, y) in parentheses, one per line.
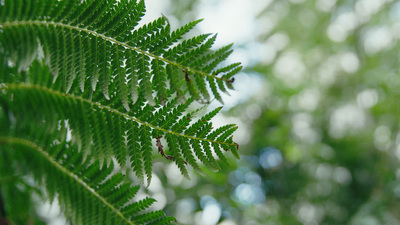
(382, 137)
(270, 158)
(245, 86)
(342, 175)
(346, 118)
(174, 174)
(324, 171)
(290, 69)
(395, 11)
(161, 201)
(279, 40)
(397, 154)
(308, 99)
(367, 98)
(233, 20)
(302, 128)
(51, 212)
(184, 210)
(307, 213)
(349, 62)
(155, 185)
(378, 39)
(269, 53)
(211, 213)
(325, 5)
(366, 8)
(253, 111)
(296, 1)
(269, 49)
(154, 10)
(344, 24)
(268, 21)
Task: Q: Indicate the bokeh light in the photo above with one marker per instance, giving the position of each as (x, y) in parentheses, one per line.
(317, 112)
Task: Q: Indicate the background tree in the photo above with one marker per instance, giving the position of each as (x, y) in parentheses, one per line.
(324, 145)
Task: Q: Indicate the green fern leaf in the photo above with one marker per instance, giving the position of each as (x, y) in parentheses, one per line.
(185, 46)
(68, 28)
(145, 140)
(210, 157)
(176, 154)
(137, 207)
(216, 58)
(214, 89)
(88, 119)
(83, 194)
(151, 217)
(175, 36)
(132, 76)
(134, 150)
(159, 80)
(82, 87)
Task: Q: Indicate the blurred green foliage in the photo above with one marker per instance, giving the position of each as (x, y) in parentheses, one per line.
(324, 144)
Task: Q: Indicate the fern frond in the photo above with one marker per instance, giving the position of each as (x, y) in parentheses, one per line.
(175, 36)
(82, 88)
(152, 218)
(146, 148)
(103, 29)
(134, 149)
(89, 195)
(185, 46)
(99, 129)
(137, 207)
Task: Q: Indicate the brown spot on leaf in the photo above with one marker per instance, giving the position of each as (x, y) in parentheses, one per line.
(186, 75)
